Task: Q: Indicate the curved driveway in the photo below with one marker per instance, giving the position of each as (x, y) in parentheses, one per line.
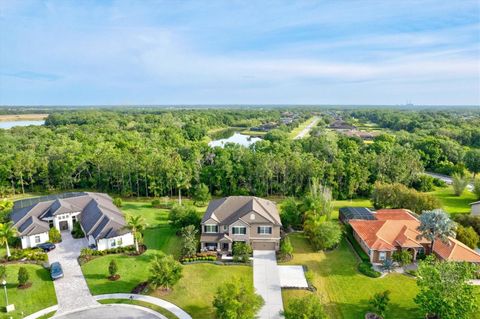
(112, 312)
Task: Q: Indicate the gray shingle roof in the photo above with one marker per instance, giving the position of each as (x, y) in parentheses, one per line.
(228, 209)
(99, 217)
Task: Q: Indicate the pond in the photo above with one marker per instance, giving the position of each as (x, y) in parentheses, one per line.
(237, 138)
(9, 124)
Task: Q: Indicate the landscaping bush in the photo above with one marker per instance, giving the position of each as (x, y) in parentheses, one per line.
(323, 235)
(156, 203)
(54, 235)
(367, 269)
(439, 182)
(32, 254)
(241, 252)
(307, 307)
(423, 183)
(379, 302)
(468, 236)
(77, 231)
(117, 201)
(23, 277)
(286, 249)
(112, 270)
(85, 252)
(192, 259)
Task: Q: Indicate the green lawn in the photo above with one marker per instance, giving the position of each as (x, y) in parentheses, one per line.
(40, 295)
(344, 291)
(454, 204)
(194, 293)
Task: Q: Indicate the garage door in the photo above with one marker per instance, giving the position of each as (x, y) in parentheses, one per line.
(263, 246)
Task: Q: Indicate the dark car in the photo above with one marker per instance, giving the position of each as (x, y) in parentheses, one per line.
(46, 247)
(56, 270)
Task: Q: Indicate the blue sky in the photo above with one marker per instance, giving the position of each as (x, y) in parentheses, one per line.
(239, 52)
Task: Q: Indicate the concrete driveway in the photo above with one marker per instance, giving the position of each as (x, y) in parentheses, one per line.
(267, 283)
(71, 290)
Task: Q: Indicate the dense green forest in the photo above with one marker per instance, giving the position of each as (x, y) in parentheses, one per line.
(157, 152)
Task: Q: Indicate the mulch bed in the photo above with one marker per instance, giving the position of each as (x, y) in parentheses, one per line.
(26, 286)
(140, 288)
(114, 278)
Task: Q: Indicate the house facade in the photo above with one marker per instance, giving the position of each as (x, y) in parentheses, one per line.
(391, 230)
(247, 219)
(101, 221)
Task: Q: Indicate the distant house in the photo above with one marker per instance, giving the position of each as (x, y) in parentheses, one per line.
(99, 218)
(246, 219)
(391, 230)
(475, 208)
(341, 125)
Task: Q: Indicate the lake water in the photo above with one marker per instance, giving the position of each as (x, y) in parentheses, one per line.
(237, 138)
(9, 124)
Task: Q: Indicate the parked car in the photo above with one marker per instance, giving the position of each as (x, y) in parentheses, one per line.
(46, 247)
(56, 271)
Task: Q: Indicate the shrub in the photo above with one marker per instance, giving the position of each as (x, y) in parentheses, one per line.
(237, 300)
(325, 235)
(476, 187)
(181, 216)
(290, 214)
(241, 252)
(77, 231)
(468, 220)
(156, 203)
(112, 268)
(439, 182)
(459, 183)
(54, 235)
(23, 276)
(403, 257)
(117, 201)
(307, 307)
(165, 271)
(468, 236)
(379, 302)
(189, 240)
(360, 252)
(423, 183)
(366, 268)
(286, 248)
(399, 196)
(32, 254)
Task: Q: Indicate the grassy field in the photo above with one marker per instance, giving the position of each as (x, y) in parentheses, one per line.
(301, 127)
(454, 204)
(22, 117)
(40, 295)
(343, 290)
(194, 293)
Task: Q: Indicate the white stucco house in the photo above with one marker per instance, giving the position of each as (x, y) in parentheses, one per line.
(102, 222)
(475, 206)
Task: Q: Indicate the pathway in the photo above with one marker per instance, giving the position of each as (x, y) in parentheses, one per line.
(267, 283)
(71, 290)
(112, 311)
(307, 129)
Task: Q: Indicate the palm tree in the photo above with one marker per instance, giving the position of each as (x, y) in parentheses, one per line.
(136, 224)
(7, 231)
(435, 224)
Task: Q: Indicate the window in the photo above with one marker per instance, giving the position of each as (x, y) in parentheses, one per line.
(74, 219)
(119, 241)
(264, 230)
(50, 223)
(210, 229)
(37, 239)
(382, 256)
(225, 227)
(239, 230)
(113, 243)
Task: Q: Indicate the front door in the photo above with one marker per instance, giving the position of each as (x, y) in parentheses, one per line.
(63, 225)
(225, 246)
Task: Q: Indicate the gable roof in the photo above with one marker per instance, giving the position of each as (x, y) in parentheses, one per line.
(229, 209)
(456, 251)
(98, 216)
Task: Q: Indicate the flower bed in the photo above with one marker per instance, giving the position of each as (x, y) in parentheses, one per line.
(29, 254)
(87, 254)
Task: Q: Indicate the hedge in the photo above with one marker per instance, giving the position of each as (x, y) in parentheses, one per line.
(366, 268)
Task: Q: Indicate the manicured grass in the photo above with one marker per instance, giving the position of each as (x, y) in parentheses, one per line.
(343, 290)
(40, 295)
(156, 308)
(194, 293)
(196, 290)
(454, 204)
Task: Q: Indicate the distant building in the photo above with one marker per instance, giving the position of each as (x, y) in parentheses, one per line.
(475, 208)
(341, 125)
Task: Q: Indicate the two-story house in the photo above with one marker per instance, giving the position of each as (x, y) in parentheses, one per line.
(246, 219)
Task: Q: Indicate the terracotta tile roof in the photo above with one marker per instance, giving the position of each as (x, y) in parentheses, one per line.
(456, 251)
(398, 227)
(394, 214)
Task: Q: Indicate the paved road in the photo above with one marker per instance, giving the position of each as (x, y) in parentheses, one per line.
(305, 131)
(112, 312)
(447, 179)
(267, 283)
(71, 290)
